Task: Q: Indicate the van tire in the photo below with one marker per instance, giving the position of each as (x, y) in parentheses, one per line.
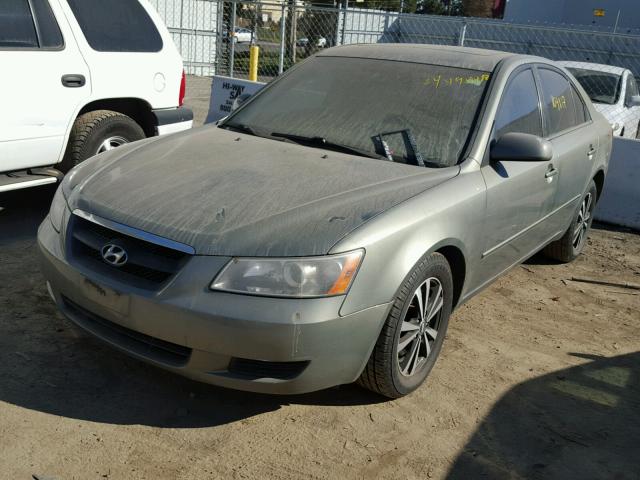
(92, 129)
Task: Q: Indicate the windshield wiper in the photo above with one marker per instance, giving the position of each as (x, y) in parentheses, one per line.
(322, 142)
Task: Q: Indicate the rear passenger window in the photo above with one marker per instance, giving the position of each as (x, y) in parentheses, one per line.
(116, 25)
(582, 114)
(17, 29)
(559, 102)
(519, 110)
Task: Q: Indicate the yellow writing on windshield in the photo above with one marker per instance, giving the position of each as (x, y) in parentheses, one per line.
(438, 81)
(559, 103)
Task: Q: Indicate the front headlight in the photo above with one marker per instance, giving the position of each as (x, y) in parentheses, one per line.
(58, 206)
(302, 277)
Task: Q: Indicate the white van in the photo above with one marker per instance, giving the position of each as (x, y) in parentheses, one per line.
(78, 77)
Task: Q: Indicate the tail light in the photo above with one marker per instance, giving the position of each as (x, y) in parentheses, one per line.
(183, 89)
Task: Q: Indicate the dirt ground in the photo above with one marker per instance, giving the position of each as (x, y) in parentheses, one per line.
(539, 378)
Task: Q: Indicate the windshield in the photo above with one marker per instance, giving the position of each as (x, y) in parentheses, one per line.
(602, 87)
(405, 112)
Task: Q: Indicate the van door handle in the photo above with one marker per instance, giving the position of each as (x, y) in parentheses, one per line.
(551, 172)
(73, 81)
(591, 152)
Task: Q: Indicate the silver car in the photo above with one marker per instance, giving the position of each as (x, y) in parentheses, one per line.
(324, 232)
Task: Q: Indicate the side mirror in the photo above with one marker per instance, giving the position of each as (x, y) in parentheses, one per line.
(238, 101)
(634, 101)
(521, 147)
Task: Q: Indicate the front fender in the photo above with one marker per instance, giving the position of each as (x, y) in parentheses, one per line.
(450, 214)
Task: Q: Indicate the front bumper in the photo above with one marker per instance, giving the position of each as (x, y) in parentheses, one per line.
(173, 120)
(249, 343)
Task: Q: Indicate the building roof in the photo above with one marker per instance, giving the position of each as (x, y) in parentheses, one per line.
(450, 56)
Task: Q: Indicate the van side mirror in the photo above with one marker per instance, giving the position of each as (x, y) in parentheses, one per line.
(634, 101)
(521, 147)
(238, 101)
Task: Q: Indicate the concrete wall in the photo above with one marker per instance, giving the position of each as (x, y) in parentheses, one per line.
(620, 202)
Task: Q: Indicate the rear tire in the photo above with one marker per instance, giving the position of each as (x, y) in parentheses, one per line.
(410, 343)
(98, 131)
(573, 241)
(638, 132)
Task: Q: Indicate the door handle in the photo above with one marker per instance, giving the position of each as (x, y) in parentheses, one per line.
(73, 81)
(551, 172)
(591, 152)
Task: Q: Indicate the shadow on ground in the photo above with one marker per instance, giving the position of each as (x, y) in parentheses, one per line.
(582, 422)
(48, 365)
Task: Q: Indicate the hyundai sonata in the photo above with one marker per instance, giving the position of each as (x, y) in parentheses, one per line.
(324, 231)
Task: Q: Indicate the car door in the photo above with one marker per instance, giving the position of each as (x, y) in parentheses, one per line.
(520, 194)
(575, 142)
(632, 112)
(128, 49)
(36, 53)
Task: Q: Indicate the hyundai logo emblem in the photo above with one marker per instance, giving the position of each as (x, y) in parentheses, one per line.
(114, 255)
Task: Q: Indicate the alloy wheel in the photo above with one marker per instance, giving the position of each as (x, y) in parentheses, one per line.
(419, 328)
(583, 221)
(111, 143)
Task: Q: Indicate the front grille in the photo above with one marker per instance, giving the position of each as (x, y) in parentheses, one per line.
(136, 342)
(257, 369)
(148, 266)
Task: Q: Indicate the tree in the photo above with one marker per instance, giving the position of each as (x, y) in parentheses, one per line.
(431, 7)
(478, 8)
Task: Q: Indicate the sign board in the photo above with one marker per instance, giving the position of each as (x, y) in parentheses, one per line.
(224, 90)
(599, 12)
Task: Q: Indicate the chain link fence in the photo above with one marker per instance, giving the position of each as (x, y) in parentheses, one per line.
(214, 37)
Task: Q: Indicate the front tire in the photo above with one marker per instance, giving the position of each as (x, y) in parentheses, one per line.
(96, 132)
(412, 336)
(573, 241)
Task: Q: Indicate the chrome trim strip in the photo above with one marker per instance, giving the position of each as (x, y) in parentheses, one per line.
(484, 285)
(533, 225)
(134, 232)
(27, 183)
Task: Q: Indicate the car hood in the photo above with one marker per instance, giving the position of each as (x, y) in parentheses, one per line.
(225, 193)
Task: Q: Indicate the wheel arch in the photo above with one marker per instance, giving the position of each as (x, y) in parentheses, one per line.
(598, 179)
(458, 265)
(137, 109)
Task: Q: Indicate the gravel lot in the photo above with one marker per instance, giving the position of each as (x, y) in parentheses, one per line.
(539, 378)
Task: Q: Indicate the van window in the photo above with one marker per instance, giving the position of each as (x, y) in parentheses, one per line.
(559, 102)
(17, 29)
(519, 110)
(116, 25)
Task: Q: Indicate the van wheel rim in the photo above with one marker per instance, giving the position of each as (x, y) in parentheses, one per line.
(419, 328)
(583, 221)
(111, 143)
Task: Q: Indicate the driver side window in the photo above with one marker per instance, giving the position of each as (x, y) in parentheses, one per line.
(632, 89)
(519, 109)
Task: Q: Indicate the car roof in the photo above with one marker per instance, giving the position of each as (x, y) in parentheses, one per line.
(448, 56)
(594, 66)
